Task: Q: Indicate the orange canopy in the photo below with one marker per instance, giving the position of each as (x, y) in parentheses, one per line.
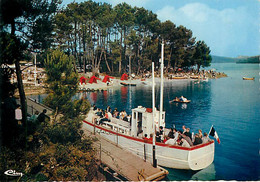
(124, 76)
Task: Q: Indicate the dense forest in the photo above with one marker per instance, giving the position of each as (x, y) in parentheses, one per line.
(90, 36)
(105, 38)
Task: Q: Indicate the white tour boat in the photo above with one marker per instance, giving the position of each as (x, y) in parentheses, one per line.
(125, 134)
(172, 156)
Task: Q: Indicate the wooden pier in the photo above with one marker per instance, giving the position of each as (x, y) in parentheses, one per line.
(33, 106)
(125, 163)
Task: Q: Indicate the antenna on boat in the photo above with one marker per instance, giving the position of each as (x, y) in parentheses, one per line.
(153, 110)
(161, 92)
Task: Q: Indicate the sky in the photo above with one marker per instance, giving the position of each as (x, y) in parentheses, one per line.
(231, 28)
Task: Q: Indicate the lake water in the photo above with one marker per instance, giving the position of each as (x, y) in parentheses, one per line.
(231, 104)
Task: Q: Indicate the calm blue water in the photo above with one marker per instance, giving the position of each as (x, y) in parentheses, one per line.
(231, 104)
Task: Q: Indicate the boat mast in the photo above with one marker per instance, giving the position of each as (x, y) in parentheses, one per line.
(161, 94)
(153, 110)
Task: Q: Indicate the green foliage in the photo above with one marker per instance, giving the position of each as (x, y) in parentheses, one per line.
(202, 55)
(62, 82)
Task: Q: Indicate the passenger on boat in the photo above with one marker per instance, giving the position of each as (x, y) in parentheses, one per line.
(145, 137)
(187, 133)
(183, 129)
(109, 109)
(200, 133)
(99, 113)
(171, 141)
(183, 143)
(183, 99)
(175, 133)
(205, 138)
(187, 139)
(197, 140)
(151, 137)
(158, 137)
(116, 113)
(171, 134)
(94, 107)
(140, 134)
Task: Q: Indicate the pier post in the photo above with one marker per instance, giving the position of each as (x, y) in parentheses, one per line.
(144, 153)
(154, 160)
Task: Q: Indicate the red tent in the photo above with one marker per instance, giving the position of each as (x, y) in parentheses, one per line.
(82, 79)
(93, 79)
(107, 78)
(124, 76)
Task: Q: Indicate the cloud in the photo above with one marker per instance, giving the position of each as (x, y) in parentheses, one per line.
(220, 29)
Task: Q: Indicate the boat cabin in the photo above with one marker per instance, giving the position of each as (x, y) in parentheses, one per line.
(142, 120)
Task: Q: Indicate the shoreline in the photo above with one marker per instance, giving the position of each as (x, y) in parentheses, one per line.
(31, 89)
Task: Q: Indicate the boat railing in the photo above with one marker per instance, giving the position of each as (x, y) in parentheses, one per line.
(116, 127)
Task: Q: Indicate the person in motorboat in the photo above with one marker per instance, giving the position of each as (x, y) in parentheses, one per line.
(183, 99)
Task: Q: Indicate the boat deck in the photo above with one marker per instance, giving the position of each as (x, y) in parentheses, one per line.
(123, 162)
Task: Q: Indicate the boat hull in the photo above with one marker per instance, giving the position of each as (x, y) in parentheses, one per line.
(245, 78)
(194, 158)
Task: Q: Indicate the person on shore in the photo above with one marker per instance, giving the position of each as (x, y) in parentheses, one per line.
(42, 116)
(34, 117)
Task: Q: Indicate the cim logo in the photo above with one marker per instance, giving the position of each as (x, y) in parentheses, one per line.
(11, 172)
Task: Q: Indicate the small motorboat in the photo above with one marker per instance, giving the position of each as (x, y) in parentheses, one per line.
(127, 84)
(245, 78)
(179, 100)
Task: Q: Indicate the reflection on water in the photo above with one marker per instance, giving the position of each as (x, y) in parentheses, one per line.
(207, 174)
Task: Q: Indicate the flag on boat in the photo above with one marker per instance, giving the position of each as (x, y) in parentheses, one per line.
(213, 133)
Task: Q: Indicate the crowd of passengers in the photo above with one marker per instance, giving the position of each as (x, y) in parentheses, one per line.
(182, 138)
(108, 114)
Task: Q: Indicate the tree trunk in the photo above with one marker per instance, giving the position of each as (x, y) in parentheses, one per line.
(20, 83)
(21, 93)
